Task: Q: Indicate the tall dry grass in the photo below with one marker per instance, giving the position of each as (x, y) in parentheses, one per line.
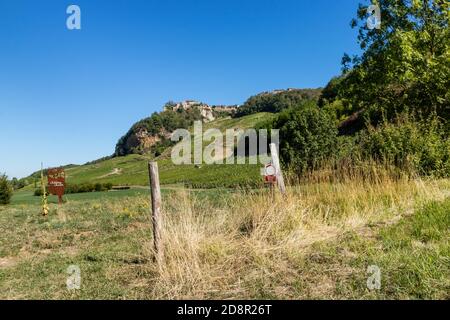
(255, 245)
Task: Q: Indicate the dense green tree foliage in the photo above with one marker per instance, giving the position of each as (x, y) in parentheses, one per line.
(81, 188)
(392, 101)
(418, 145)
(278, 101)
(5, 190)
(88, 187)
(404, 65)
(308, 136)
(17, 184)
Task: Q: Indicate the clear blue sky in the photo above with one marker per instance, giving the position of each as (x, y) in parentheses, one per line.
(67, 96)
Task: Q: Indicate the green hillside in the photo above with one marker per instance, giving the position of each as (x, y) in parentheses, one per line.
(132, 169)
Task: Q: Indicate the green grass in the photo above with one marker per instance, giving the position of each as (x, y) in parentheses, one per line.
(239, 123)
(413, 256)
(103, 233)
(27, 197)
(416, 254)
(133, 171)
(210, 176)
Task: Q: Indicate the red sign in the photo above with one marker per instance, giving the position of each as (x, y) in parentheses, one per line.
(270, 176)
(56, 182)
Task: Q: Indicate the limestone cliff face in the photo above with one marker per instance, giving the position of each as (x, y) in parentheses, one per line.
(141, 141)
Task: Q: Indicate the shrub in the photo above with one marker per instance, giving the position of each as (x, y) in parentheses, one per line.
(277, 102)
(308, 136)
(72, 188)
(108, 186)
(81, 188)
(38, 192)
(5, 190)
(88, 187)
(17, 184)
(421, 145)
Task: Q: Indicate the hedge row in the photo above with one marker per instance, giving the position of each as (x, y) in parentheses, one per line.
(81, 188)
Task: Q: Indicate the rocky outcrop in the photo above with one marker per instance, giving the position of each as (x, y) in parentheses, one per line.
(141, 141)
(209, 113)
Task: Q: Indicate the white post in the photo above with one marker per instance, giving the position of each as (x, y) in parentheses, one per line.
(276, 164)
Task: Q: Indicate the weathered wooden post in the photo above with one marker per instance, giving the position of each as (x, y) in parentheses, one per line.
(156, 210)
(276, 164)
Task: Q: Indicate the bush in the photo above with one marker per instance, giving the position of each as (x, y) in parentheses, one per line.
(108, 186)
(17, 184)
(72, 188)
(88, 187)
(38, 192)
(5, 190)
(277, 102)
(420, 145)
(308, 136)
(81, 188)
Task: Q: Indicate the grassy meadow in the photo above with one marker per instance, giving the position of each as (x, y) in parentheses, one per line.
(315, 243)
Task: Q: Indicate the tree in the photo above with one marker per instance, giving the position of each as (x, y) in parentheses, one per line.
(405, 65)
(275, 102)
(308, 136)
(17, 184)
(5, 190)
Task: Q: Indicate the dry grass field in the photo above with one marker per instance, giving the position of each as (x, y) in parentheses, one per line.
(315, 243)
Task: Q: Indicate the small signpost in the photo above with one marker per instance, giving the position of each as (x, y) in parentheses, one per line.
(57, 182)
(277, 168)
(270, 176)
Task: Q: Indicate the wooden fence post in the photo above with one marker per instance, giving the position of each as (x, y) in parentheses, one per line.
(276, 164)
(156, 210)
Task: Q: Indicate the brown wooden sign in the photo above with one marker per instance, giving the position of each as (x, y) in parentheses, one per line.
(56, 182)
